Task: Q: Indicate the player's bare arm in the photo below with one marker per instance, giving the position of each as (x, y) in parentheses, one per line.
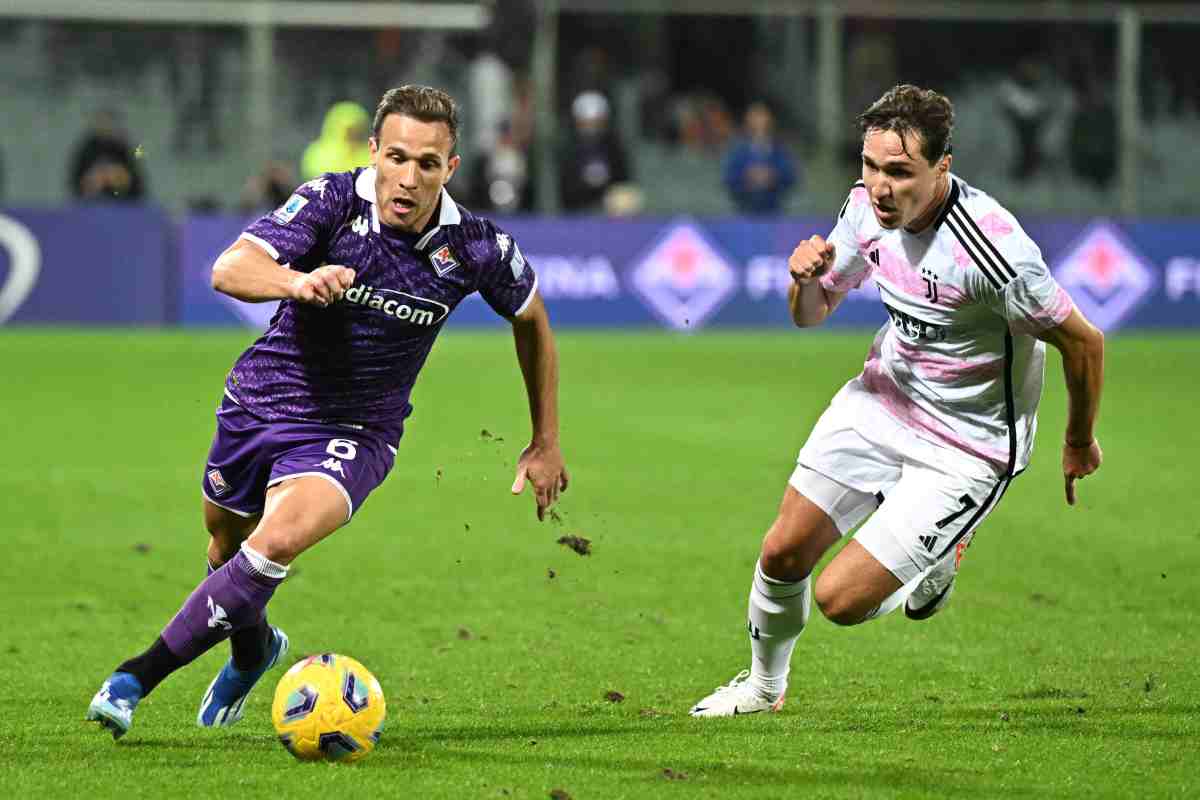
(541, 462)
(247, 272)
(1082, 347)
(809, 301)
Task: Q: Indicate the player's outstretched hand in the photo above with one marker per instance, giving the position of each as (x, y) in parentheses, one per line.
(544, 468)
(811, 259)
(1078, 463)
(323, 286)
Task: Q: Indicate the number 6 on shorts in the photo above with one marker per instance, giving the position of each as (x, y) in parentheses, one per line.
(342, 448)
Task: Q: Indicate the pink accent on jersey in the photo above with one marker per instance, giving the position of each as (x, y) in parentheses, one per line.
(1043, 320)
(907, 279)
(859, 197)
(961, 257)
(949, 370)
(897, 403)
(995, 226)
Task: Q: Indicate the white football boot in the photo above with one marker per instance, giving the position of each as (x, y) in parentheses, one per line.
(933, 592)
(736, 698)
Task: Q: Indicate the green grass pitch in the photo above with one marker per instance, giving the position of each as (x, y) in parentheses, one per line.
(1065, 666)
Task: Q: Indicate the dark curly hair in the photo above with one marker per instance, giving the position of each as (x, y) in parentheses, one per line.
(910, 109)
(419, 102)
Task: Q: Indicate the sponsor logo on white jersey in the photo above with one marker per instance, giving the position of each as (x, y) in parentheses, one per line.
(684, 278)
(216, 616)
(288, 211)
(1105, 276)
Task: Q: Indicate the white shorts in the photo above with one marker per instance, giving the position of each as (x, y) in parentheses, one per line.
(930, 498)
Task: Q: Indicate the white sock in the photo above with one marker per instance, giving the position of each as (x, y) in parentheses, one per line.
(894, 600)
(778, 614)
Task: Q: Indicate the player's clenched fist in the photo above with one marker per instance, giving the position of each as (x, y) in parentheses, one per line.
(322, 286)
(811, 259)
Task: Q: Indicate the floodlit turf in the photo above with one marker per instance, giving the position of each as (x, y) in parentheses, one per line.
(1065, 666)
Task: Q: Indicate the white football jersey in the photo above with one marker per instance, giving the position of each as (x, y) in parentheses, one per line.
(958, 362)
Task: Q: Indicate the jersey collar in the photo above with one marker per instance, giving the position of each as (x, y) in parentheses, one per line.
(951, 199)
(364, 187)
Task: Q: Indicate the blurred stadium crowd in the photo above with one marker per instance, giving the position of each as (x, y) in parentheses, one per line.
(656, 114)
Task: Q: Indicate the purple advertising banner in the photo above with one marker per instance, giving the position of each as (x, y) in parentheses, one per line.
(101, 264)
(687, 274)
(128, 265)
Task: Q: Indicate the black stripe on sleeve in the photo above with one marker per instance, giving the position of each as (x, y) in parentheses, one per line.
(965, 241)
(988, 243)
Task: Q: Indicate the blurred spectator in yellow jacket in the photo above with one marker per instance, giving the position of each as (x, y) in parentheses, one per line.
(343, 142)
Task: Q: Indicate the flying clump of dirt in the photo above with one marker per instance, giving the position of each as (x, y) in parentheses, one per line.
(577, 543)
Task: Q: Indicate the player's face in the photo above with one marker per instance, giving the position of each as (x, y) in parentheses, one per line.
(412, 162)
(901, 183)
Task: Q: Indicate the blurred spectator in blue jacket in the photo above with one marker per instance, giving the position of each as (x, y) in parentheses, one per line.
(758, 170)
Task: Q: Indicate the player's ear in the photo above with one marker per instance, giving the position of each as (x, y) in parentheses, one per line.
(373, 147)
(944, 164)
(451, 166)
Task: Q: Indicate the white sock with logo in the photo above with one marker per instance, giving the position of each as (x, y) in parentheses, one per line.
(778, 613)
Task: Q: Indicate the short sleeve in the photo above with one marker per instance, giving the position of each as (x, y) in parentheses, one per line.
(507, 281)
(850, 268)
(307, 220)
(1033, 301)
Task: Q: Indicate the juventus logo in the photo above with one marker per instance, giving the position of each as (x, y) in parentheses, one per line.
(931, 293)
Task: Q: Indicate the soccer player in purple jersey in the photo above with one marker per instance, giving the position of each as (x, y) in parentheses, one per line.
(368, 265)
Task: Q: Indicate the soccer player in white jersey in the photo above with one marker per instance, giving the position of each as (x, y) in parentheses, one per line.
(924, 443)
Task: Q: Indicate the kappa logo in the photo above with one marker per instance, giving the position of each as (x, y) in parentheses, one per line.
(360, 225)
(317, 185)
(443, 260)
(1105, 276)
(333, 465)
(217, 482)
(684, 278)
(217, 617)
(504, 242)
(288, 211)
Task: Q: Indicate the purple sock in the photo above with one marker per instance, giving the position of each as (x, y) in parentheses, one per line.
(231, 598)
(248, 646)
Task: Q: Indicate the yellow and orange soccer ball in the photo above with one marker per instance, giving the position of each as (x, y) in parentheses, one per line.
(328, 707)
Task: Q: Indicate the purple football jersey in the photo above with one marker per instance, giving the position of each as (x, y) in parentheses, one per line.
(355, 362)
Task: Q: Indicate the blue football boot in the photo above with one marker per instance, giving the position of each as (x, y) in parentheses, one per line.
(226, 695)
(113, 705)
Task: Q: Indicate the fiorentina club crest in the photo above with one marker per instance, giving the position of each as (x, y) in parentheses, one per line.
(443, 260)
(1105, 276)
(684, 278)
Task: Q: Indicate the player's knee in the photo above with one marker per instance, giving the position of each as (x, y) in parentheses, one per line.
(836, 604)
(780, 557)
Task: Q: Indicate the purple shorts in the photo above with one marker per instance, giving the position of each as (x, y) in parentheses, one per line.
(249, 455)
